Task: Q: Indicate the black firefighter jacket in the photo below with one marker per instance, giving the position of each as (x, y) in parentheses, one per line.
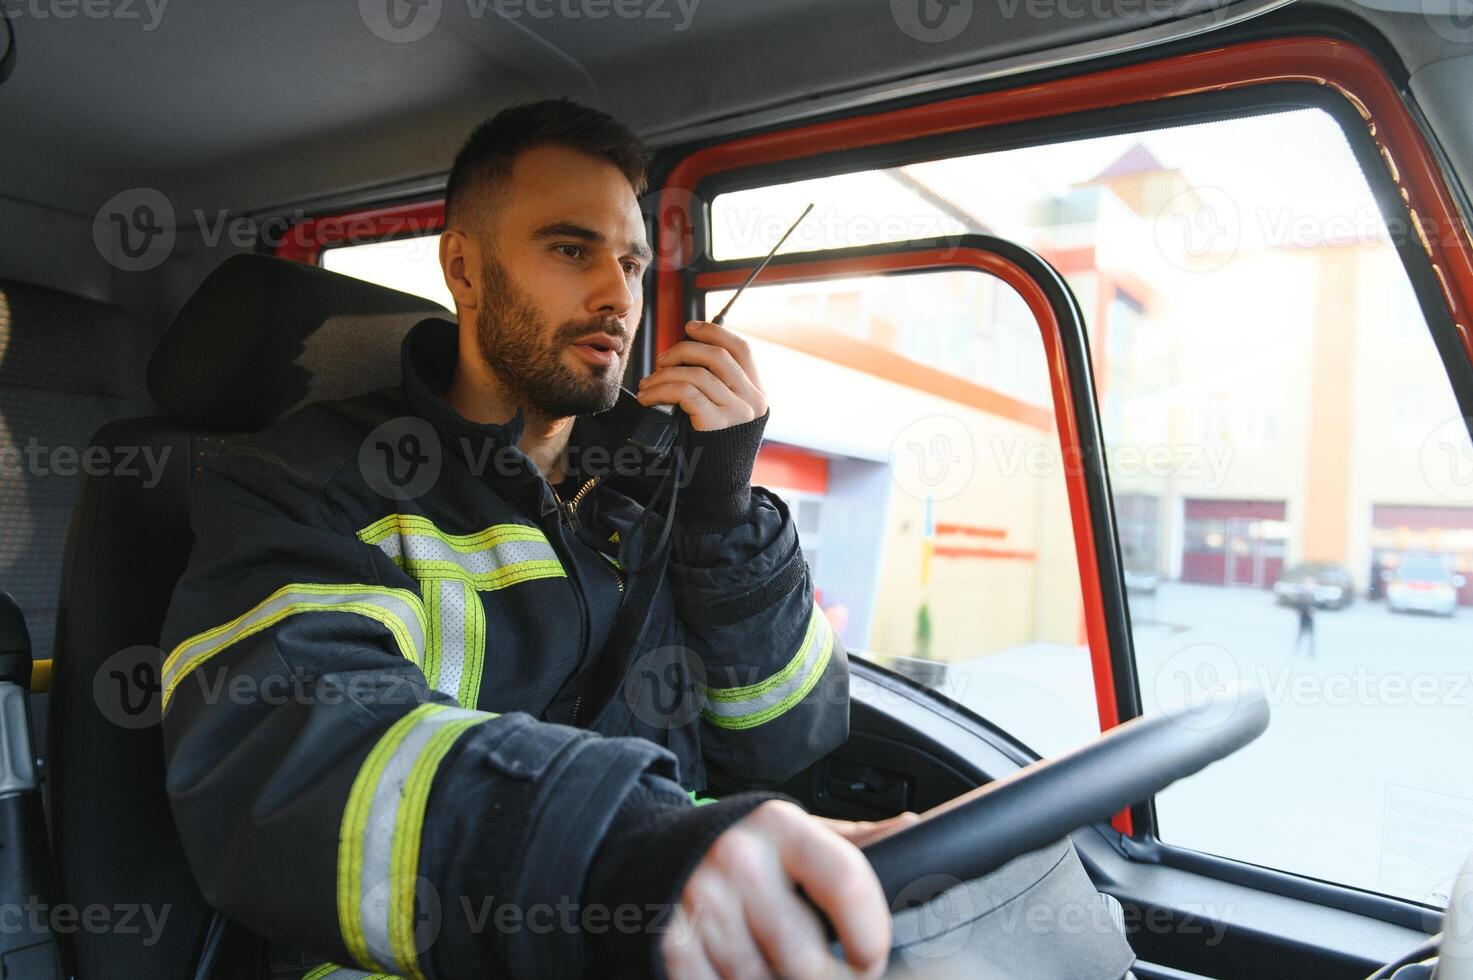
(375, 678)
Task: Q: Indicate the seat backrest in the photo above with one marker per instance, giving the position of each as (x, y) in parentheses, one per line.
(259, 338)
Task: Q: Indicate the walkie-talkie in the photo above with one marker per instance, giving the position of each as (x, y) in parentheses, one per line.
(658, 427)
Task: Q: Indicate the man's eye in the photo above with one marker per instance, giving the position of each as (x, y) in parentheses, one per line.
(571, 251)
(632, 268)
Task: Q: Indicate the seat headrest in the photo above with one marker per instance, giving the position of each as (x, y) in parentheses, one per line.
(263, 336)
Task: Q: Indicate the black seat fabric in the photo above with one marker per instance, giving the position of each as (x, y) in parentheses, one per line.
(260, 338)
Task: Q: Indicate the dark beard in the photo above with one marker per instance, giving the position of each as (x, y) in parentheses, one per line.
(516, 345)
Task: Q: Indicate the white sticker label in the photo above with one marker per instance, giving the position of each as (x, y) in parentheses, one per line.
(1425, 837)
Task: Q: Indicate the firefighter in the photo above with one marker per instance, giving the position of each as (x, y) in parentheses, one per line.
(511, 675)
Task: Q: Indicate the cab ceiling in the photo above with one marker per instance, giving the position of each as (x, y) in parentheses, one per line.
(249, 106)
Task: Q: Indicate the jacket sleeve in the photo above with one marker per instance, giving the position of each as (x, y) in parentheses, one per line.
(776, 676)
(329, 800)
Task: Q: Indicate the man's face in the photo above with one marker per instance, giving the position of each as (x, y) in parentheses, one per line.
(561, 295)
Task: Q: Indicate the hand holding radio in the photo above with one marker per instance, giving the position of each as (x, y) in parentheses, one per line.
(711, 377)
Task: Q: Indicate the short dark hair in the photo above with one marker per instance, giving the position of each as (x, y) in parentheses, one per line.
(492, 149)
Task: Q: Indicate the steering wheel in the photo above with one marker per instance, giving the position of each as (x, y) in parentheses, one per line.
(980, 831)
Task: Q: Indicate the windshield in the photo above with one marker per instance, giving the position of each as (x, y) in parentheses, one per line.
(1423, 568)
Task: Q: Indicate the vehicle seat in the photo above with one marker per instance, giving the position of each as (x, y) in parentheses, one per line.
(259, 338)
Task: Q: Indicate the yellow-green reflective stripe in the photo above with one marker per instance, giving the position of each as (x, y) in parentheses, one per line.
(451, 568)
(378, 845)
(747, 707)
(344, 973)
(502, 555)
(399, 525)
(408, 828)
(699, 800)
(434, 639)
(398, 610)
(475, 648)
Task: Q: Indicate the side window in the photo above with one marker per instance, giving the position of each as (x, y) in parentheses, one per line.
(1292, 477)
(1290, 464)
(913, 434)
(410, 265)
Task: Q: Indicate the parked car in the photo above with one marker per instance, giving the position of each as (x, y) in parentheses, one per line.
(1140, 571)
(1142, 581)
(1322, 585)
(1423, 583)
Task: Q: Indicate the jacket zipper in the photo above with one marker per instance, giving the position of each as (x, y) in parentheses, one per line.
(569, 510)
(570, 506)
(570, 513)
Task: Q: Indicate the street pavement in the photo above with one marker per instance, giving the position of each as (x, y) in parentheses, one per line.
(1364, 776)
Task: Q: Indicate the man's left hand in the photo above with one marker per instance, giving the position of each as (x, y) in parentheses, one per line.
(861, 832)
(711, 376)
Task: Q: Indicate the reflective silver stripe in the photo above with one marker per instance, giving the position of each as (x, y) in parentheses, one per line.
(398, 610)
(379, 880)
(452, 634)
(747, 707)
(420, 548)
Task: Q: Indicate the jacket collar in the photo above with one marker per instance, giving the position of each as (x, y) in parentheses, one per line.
(427, 358)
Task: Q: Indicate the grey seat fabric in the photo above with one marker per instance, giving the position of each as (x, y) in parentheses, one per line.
(67, 365)
(1037, 917)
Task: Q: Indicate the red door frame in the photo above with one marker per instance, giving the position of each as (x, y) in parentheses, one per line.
(1336, 64)
(305, 240)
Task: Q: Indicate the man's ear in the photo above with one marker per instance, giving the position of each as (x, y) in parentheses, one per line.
(460, 261)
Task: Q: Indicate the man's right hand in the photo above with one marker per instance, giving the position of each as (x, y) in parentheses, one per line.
(741, 916)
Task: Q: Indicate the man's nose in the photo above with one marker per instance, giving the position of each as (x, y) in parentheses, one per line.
(612, 292)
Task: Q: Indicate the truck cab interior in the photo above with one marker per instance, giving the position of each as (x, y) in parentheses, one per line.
(1109, 316)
